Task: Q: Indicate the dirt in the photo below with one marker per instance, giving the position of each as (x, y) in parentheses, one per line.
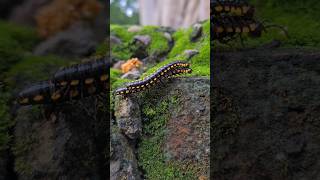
(266, 114)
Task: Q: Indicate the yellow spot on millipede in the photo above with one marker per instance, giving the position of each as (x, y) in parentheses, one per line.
(38, 98)
(24, 101)
(89, 81)
(74, 82)
(63, 83)
(74, 93)
(104, 77)
(55, 96)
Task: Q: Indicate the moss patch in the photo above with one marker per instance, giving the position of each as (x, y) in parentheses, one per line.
(15, 42)
(33, 68)
(124, 51)
(151, 157)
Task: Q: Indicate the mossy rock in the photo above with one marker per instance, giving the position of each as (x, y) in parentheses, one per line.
(33, 69)
(159, 44)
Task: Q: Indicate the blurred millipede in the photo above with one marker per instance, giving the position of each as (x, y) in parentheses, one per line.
(226, 28)
(73, 82)
(161, 74)
(231, 7)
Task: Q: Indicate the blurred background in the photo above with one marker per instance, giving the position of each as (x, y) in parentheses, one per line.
(177, 13)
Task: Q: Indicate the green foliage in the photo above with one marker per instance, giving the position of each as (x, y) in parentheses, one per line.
(150, 153)
(118, 13)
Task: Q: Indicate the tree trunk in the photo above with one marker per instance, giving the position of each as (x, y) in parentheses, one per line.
(177, 13)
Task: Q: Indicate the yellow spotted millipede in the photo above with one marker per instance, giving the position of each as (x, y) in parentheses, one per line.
(231, 19)
(165, 72)
(73, 82)
(231, 7)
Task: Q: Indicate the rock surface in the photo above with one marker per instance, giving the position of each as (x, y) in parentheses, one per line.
(266, 115)
(186, 139)
(123, 163)
(69, 144)
(77, 41)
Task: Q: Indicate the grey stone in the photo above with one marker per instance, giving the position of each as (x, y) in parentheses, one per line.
(77, 41)
(189, 53)
(196, 32)
(133, 74)
(145, 39)
(128, 117)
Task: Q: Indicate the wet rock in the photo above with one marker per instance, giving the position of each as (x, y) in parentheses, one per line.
(189, 53)
(123, 163)
(196, 32)
(133, 74)
(134, 29)
(144, 39)
(114, 40)
(24, 14)
(77, 41)
(128, 116)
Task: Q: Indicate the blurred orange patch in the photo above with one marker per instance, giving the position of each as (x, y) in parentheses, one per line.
(60, 14)
(130, 64)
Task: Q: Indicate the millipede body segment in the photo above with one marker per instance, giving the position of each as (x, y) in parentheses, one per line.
(73, 82)
(165, 72)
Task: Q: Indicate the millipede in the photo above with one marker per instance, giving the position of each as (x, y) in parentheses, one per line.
(166, 72)
(229, 27)
(232, 7)
(233, 18)
(69, 83)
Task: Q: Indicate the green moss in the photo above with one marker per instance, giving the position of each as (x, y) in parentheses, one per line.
(5, 122)
(159, 44)
(200, 63)
(21, 148)
(33, 68)
(25, 37)
(151, 157)
(15, 42)
(102, 50)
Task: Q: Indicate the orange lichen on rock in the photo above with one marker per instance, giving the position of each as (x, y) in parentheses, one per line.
(130, 64)
(60, 14)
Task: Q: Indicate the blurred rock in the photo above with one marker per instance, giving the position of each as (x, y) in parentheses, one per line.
(128, 117)
(118, 64)
(114, 40)
(77, 41)
(145, 39)
(267, 109)
(189, 53)
(134, 29)
(69, 144)
(196, 32)
(133, 74)
(25, 13)
(168, 37)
